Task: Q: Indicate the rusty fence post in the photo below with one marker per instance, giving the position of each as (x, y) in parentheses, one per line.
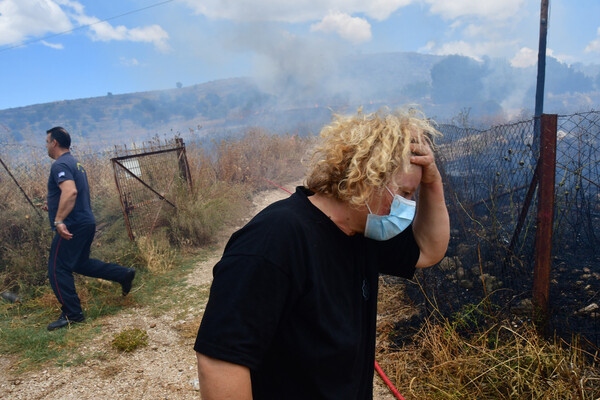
(184, 167)
(546, 169)
(123, 205)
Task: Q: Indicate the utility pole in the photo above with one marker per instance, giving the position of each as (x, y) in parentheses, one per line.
(545, 172)
(541, 77)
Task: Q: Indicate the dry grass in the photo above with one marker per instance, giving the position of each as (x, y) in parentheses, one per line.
(253, 158)
(156, 254)
(496, 361)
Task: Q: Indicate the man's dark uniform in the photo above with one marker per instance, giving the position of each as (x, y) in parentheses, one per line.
(68, 256)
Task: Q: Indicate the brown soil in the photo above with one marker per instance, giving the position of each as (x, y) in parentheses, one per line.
(165, 369)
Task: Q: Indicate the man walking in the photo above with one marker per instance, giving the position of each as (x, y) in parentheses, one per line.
(70, 214)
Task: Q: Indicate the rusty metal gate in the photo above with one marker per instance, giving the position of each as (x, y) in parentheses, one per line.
(146, 178)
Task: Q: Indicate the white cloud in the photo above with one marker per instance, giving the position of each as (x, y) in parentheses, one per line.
(489, 9)
(353, 29)
(563, 58)
(594, 45)
(526, 57)
(476, 30)
(475, 50)
(382, 9)
(293, 11)
(24, 19)
(105, 32)
(56, 46)
(311, 10)
(129, 62)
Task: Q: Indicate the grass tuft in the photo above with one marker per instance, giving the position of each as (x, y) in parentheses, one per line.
(156, 254)
(130, 339)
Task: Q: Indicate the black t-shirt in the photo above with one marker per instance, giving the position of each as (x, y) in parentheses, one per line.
(295, 300)
(67, 168)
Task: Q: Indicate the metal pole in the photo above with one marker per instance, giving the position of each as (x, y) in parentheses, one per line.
(125, 214)
(545, 217)
(22, 191)
(541, 76)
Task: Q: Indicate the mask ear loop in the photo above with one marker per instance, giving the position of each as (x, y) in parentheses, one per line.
(388, 189)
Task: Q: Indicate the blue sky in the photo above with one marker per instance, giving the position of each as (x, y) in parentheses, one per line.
(53, 50)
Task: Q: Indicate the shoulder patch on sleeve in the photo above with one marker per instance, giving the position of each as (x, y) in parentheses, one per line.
(61, 174)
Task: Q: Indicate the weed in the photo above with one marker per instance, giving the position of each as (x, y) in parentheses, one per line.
(130, 339)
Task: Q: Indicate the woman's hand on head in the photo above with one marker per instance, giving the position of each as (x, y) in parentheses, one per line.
(423, 156)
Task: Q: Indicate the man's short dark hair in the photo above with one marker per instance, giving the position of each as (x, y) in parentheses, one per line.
(61, 135)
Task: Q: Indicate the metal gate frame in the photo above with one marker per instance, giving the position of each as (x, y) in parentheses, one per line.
(128, 204)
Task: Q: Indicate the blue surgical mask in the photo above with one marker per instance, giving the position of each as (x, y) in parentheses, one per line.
(385, 227)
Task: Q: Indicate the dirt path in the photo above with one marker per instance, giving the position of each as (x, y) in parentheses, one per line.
(165, 369)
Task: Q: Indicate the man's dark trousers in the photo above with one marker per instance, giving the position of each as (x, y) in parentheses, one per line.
(68, 256)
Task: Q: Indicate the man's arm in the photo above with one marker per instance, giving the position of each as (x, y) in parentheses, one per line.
(431, 226)
(221, 380)
(68, 196)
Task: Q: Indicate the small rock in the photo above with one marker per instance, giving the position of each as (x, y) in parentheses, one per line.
(525, 307)
(9, 296)
(460, 273)
(491, 283)
(153, 325)
(462, 249)
(466, 284)
(588, 309)
(447, 264)
(586, 276)
(195, 384)
(586, 270)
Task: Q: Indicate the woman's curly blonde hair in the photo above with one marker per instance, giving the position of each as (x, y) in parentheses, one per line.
(361, 153)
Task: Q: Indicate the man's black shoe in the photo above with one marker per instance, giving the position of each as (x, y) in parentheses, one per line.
(63, 321)
(126, 284)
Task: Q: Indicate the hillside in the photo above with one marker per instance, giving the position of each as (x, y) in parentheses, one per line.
(299, 104)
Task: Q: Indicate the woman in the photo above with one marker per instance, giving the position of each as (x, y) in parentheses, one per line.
(293, 305)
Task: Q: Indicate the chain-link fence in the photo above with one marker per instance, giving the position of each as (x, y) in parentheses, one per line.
(488, 177)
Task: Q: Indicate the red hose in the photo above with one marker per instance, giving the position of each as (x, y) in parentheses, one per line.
(280, 187)
(389, 384)
(383, 376)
